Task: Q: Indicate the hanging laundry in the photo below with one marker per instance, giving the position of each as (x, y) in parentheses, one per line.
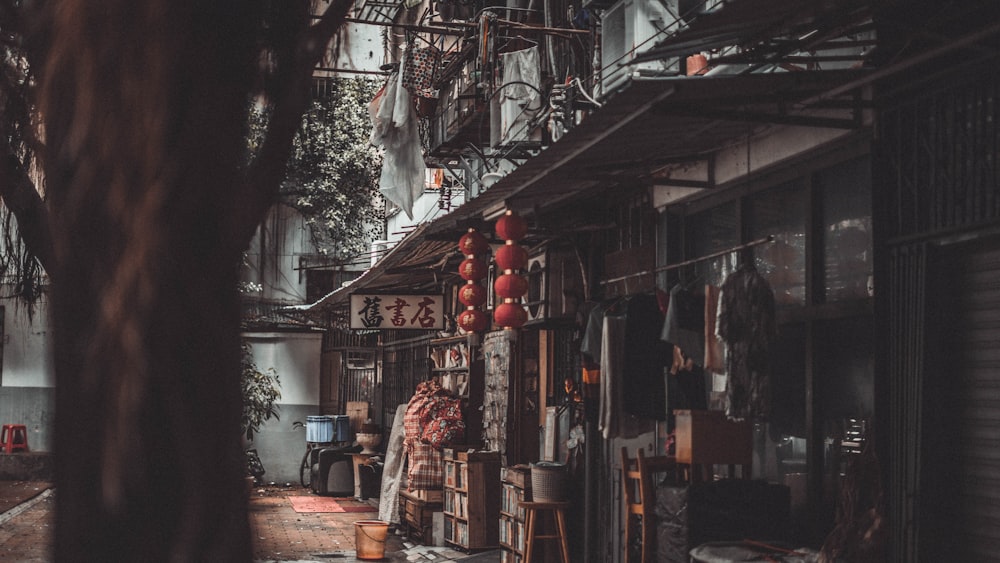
(715, 348)
(394, 127)
(684, 325)
(747, 325)
(432, 420)
(646, 359)
(612, 358)
(519, 94)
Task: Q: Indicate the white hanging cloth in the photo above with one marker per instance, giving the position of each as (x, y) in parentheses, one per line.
(394, 127)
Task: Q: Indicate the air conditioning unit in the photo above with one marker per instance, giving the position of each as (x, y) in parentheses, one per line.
(555, 285)
(630, 27)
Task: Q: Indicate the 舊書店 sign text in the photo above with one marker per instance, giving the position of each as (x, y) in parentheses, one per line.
(397, 311)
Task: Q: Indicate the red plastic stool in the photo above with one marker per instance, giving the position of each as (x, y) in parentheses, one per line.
(14, 437)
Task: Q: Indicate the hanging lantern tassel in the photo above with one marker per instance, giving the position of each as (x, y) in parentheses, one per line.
(472, 294)
(510, 286)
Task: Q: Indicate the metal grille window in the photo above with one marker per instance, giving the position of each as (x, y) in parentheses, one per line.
(636, 221)
(408, 363)
(358, 382)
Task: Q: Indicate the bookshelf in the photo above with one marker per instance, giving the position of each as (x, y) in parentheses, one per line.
(471, 499)
(515, 489)
(457, 363)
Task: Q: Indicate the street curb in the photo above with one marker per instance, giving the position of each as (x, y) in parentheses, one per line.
(7, 516)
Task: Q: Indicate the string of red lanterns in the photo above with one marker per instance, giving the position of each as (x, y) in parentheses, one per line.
(511, 258)
(472, 269)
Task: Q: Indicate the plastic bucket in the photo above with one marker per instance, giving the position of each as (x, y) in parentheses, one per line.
(319, 428)
(369, 537)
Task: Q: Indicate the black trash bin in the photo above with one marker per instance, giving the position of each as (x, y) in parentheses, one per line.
(332, 472)
(370, 476)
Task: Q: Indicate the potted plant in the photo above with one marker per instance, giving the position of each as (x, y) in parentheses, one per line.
(260, 395)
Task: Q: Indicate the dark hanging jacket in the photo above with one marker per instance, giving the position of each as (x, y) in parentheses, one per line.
(747, 324)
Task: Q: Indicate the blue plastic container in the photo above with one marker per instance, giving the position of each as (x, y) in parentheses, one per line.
(342, 428)
(319, 428)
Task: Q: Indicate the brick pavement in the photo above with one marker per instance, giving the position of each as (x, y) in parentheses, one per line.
(279, 533)
(26, 530)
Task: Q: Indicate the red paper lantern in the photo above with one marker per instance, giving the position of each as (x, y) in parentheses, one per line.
(510, 286)
(473, 242)
(510, 315)
(472, 269)
(511, 227)
(472, 320)
(472, 295)
(511, 257)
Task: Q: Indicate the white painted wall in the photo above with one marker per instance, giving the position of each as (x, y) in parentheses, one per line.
(425, 209)
(285, 237)
(27, 346)
(356, 46)
(27, 382)
(295, 356)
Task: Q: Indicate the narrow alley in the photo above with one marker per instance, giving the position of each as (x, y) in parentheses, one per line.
(281, 533)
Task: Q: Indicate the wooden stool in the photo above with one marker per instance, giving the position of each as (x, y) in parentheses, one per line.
(14, 437)
(531, 510)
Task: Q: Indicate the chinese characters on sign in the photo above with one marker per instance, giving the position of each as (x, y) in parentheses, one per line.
(374, 311)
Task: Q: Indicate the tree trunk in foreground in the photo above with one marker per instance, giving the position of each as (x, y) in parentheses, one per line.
(144, 106)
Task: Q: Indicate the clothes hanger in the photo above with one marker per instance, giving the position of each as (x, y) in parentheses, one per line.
(689, 286)
(510, 38)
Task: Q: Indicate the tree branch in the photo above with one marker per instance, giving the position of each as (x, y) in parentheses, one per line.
(23, 200)
(264, 176)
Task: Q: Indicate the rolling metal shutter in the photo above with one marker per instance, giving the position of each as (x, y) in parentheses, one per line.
(968, 525)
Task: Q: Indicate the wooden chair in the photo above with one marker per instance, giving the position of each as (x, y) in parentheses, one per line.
(639, 495)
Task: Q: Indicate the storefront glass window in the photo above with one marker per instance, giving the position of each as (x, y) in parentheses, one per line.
(711, 231)
(845, 389)
(781, 212)
(845, 195)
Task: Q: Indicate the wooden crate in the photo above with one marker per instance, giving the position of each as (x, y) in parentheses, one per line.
(417, 517)
(357, 413)
(429, 495)
(708, 437)
(519, 476)
(478, 456)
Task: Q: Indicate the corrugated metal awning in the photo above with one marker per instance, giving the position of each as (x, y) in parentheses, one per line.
(646, 126)
(653, 123)
(766, 30)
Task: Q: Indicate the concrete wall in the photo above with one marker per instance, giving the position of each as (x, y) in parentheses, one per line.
(295, 356)
(285, 237)
(27, 380)
(769, 146)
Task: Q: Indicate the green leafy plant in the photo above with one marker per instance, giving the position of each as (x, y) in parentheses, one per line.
(260, 393)
(333, 170)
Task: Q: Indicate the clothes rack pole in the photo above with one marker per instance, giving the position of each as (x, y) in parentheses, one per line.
(737, 248)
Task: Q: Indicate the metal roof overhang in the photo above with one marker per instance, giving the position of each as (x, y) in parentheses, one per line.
(414, 264)
(653, 123)
(650, 124)
(766, 30)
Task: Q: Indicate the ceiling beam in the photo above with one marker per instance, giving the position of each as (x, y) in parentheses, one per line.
(758, 116)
